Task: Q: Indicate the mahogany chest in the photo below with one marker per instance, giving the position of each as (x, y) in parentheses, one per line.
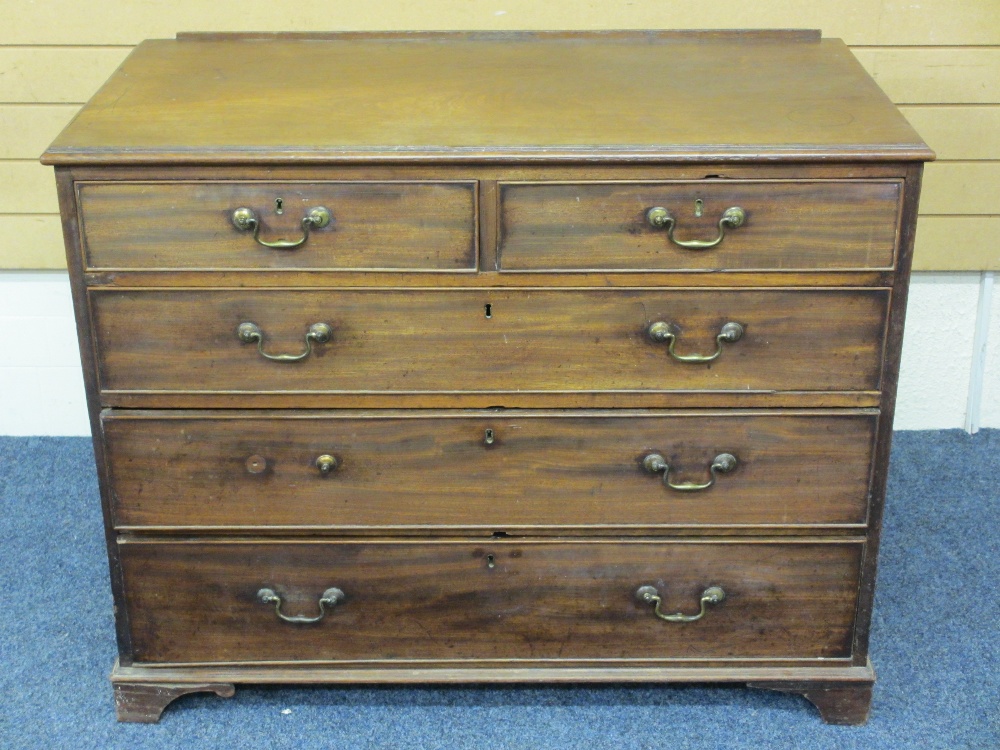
(474, 357)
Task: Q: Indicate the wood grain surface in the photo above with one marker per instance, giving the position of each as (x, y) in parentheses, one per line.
(406, 470)
(187, 225)
(196, 601)
(518, 558)
(505, 97)
(790, 225)
(534, 340)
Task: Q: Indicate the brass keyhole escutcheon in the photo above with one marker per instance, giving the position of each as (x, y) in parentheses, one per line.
(489, 437)
(491, 562)
(279, 207)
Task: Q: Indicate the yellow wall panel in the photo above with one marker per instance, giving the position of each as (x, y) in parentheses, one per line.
(961, 188)
(935, 76)
(77, 23)
(958, 132)
(27, 187)
(957, 243)
(886, 22)
(54, 74)
(31, 242)
(938, 22)
(26, 131)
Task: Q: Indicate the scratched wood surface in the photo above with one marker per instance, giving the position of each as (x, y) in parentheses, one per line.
(487, 97)
(218, 470)
(196, 601)
(405, 341)
(373, 225)
(789, 225)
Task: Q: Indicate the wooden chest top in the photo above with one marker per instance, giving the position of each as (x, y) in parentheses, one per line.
(623, 96)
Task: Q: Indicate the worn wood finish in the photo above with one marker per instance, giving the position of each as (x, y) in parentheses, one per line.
(526, 671)
(483, 280)
(143, 703)
(486, 213)
(542, 469)
(539, 340)
(73, 243)
(893, 356)
(487, 170)
(789, 225)
(188, 225)
(628, 399)
(196, 601)
(589, 97)
(838, 702)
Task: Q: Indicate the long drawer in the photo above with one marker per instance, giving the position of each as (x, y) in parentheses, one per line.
(488, 340)
(777, 225)
(203, 601)
(402, 225)
(497, 471)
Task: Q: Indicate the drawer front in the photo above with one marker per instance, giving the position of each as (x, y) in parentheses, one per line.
(789, 225)
(406, 341)
(189, 225)
(486, 470)
(198, 601)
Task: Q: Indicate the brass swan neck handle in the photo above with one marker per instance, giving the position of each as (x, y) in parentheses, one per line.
(246, 219)
(250, 333)
(660, 218)
(649, 595)
(662, 332)
(330, 598)
(724, 463)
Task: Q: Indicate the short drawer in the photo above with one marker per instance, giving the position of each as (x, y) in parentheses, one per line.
(488, 340)
(201, 601)
(787, 225)
(422, 226)
(494, 471)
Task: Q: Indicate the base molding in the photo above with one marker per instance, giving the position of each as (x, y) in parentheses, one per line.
(841, 693)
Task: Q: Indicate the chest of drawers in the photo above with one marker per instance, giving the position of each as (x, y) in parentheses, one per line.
(476, 357)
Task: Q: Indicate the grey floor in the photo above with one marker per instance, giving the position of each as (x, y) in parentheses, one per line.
(935, 642)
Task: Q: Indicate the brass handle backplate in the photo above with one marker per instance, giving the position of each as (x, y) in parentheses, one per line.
(660, 218)
(724, 463)
(250, 333)
(661, 332)
(649, 595)
(246, 219)
(330, 598)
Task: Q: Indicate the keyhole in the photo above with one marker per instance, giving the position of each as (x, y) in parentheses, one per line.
(489, 438)
(699, 204)
(491, 562)
(278, 206)
(489, 310)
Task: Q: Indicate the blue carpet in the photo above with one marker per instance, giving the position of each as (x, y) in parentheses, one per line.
(935, 642)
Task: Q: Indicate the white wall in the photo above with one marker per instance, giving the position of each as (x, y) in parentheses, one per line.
(936, 371)
(41, 385)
